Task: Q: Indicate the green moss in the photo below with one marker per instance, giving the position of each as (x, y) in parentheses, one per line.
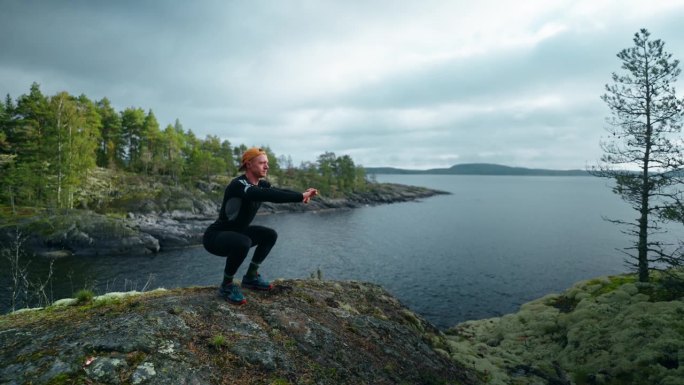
(35, 356)
(38, 316)
(114, 303)
(60, 379)
(611, 330)
(68, 379)
(564, 304)
(325, 372)
(390, 368)
(662, 293)
(412, 320)
(352, 328)
(176, 310)
(54, 223)
(663, 286)
(116, 216)
(101, 303)
(581, 377)
(13, 217)
(113, 306)
(279, 381)
(614, 283)
(306, 297)
(376, 312)
(290, 343)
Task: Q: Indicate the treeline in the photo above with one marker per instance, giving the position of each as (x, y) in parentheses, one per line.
(50, 144)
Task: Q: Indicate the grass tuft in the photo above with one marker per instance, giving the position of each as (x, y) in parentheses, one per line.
(84, 296)
(218, 341)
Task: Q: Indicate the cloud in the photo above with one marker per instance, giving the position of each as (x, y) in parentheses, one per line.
(411, 84)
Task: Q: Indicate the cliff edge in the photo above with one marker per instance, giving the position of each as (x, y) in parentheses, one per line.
(302, 332)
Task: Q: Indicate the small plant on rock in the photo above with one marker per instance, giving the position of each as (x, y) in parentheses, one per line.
(218, 341)
(84, 296)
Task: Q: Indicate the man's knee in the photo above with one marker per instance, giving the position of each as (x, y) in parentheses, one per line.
(271, 236)
(263, 235)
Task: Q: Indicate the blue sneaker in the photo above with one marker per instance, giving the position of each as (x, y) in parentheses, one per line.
(232, 294)
(257, 283)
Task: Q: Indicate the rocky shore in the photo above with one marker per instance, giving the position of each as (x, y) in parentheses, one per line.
(603, 331)
(151, 226)
(302, 332)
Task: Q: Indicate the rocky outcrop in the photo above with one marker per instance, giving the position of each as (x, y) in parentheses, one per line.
(609, 330)
(165, 223)
(302, 332)
(78, 232)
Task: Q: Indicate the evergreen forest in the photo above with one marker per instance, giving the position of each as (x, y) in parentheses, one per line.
(53, 147)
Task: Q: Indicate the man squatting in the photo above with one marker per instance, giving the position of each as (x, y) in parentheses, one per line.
(231, 235)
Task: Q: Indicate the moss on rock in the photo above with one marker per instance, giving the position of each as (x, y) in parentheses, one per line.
(600, 331)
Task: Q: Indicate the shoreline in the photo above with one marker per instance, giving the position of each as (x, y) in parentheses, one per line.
(87, 233)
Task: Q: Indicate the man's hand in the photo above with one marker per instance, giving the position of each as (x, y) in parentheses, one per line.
(308, 194)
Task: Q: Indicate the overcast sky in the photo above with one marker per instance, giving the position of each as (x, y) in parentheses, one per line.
(412, 84)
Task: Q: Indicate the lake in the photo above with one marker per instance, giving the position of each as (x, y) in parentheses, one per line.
(493, 244)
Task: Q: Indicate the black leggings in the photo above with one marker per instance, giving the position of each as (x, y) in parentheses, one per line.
(235, 245)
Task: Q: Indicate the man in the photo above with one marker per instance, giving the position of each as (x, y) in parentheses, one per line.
(232, 236)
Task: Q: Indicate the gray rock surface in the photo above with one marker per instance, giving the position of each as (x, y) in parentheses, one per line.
(302, 332)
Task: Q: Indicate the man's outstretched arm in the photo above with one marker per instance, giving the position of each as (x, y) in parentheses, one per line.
(276, 195)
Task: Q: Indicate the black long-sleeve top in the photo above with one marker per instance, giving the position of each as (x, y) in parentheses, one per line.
(242, 200)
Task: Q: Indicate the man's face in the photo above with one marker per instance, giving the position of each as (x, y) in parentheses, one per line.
(258, 166)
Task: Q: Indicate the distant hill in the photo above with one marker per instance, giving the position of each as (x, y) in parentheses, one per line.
(478, 169)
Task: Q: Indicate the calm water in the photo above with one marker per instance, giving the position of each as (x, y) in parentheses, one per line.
(494, 243)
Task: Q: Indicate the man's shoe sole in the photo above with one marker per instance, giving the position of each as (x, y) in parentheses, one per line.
(255, 287)
(244, 301)
(225, 298)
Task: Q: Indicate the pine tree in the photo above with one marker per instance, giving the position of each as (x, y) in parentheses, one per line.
(132, 123)
(150, 146)
(111, 148)
(645, 116)
(29, 138)
(6, 156)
